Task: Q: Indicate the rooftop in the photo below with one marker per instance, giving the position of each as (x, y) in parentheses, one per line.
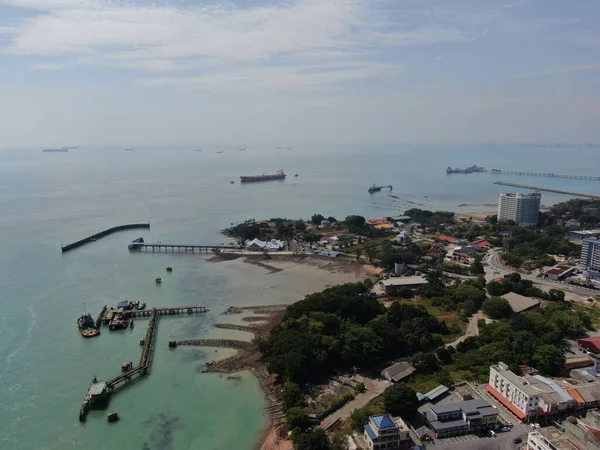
(559, 269)
(472, 408)
(445, 237)
(383, 421)
(436, 392)
(404, 281)
(398, 371)
(520, 303)
(520, 382)
(556, 437)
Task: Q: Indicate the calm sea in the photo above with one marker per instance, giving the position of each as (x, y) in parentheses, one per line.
(49, 199)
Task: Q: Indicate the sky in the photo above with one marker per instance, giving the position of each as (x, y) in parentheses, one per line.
(244, 72)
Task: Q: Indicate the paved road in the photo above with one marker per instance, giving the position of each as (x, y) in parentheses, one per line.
(472, 329)
(495, 268)
(373, 389)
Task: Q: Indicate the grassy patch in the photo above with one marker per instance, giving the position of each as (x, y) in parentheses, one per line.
(424, 382)
(371, 243)
(593, 311)
(450, 317)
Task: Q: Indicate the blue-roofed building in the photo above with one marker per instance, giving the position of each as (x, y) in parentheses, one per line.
(385, 432)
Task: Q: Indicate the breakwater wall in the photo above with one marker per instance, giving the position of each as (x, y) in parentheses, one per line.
(94, 237)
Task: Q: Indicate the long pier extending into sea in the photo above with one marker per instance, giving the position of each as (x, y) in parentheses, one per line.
(160, 247)
(477, 169)
(541, 174)
(557, 191)
(98, 391)
(94, 237)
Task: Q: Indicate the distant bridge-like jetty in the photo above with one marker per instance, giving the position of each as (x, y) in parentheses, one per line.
(94, 237)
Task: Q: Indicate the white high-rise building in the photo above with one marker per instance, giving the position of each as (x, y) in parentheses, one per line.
(523, 209)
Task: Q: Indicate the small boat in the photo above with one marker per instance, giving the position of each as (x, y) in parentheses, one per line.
(169, 269)
(141, 306)
(232, 182)
(296, 175)
(220, 151)
(87, 326)
(158, 280)
(113, 416)
(129, 149)
(90, 332)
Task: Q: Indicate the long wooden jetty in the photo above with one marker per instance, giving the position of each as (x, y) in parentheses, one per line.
(94, 237)
(557, 191)
(99, 392)
(541, 174)
(159, 247)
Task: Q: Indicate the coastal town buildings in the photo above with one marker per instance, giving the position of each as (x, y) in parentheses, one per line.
(523, 209)
(530, 397)
(590, 255)
(385, 432)
(455, 419)
(574, 434)
(398, 372)
(391, 285)
(519, 303)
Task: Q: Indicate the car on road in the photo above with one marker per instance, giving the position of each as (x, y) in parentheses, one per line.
(517, 440)
(492, 433)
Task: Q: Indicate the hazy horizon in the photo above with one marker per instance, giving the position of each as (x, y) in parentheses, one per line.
(298, 72)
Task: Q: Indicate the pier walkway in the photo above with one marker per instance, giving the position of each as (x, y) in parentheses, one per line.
(557, 191)
(98, 392)
(159, 247)
(96, 236)
(541, 174)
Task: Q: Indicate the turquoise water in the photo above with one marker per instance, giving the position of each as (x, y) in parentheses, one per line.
(51, 199)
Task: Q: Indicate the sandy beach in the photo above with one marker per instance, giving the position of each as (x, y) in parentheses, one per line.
(280, 280)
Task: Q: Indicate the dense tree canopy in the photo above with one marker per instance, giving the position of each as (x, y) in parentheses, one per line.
(497, 308)
(343, 327)
(400, 400)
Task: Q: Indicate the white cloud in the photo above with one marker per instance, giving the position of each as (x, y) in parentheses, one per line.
(559, 70)
(47, 66)
(220, 36)
(303, 77)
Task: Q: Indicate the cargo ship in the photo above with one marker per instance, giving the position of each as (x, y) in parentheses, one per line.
(56, 150)
(279, 175)
(87, 326)
(472, 169)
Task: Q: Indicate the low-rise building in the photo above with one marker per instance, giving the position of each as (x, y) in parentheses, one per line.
(398, 372)
(520, 303)
(256, 245)
(385, 432)
(454, 419)
(591, 344)
(392, 284)
(575, 434)
(558, 272)
(403, 238)
(513, 391)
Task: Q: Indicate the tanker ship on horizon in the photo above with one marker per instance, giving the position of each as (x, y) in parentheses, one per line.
(279, 175)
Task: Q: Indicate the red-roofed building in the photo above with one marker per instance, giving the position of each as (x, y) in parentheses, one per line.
(592, 343)
(506, 403)
(446, 238)
(482, 243)
(373, 222)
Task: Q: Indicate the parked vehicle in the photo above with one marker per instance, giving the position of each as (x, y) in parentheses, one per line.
(517, 440)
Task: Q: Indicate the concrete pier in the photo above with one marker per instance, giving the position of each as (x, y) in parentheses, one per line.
(96, 236)
(159, 247)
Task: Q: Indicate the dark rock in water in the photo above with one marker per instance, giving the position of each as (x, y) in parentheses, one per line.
(163, 427)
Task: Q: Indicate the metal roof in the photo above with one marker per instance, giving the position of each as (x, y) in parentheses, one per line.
(383, 422)
(97, 388)
(398, 371)
(404, 281)
(520, 303)
(436, 392)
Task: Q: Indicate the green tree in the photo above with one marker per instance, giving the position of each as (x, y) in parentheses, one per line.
(549, 360)
(339, 443)
(331, 219)
(497, 308)
(297, 418)
(360, 417)
(400, 400)
(316, 219)
(425, 362)
(556, 295)
(314, 440)
(358, 253)
(355, 222)
(444, 356)
(477, 268)
(292, 395)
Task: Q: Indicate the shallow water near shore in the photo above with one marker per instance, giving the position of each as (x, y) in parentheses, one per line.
(52, 199)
